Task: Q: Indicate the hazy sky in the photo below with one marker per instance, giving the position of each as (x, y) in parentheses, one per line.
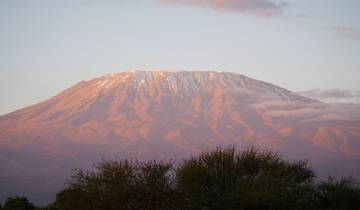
(49, 45)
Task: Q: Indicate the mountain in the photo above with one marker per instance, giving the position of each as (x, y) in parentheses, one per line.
(168, 114)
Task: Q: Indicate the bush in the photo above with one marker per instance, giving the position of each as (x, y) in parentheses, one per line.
(343, 194)
(226, 179)
(18, 203)
(120, 185)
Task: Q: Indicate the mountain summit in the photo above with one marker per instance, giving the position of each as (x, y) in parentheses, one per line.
(187, 83)
(156, 114)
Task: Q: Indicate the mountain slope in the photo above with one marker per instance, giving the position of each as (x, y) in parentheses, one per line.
(168, 114)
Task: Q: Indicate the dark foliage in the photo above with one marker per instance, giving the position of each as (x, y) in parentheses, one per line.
(224, 179)
(343, 194)
(119, 185)
(18, 203)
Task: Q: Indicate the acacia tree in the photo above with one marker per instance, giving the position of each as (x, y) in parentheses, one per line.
(217, 180)
(120, 185)
(227, 179)
(338, 194)
(18, 203)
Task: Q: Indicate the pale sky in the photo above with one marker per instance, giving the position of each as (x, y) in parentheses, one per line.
(49, 45)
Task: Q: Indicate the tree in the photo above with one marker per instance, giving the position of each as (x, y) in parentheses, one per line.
(118, 185)
(227, 179)
(217, 180)
(334, 194)
(18, 203)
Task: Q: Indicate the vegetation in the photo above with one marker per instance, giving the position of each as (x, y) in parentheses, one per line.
(338, 194)
(224, 179)
(120, 185)
(17, 203)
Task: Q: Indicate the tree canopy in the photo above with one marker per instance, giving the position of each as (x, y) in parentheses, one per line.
(227, 179)
(18, 203)
(120, 185)
(223, 179)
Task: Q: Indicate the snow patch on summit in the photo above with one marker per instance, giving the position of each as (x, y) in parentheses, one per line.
(190, 82)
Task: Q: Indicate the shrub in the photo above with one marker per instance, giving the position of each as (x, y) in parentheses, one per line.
(120, 185)
(224, 179)
(342, 194)
(18, 203)
(227, 179)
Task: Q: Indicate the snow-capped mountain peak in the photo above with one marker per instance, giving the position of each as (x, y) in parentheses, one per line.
(166, 114)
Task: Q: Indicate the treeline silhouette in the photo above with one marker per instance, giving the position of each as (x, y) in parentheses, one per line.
(224, 179)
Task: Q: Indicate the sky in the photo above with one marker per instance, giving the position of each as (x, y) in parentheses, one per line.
(47, 46)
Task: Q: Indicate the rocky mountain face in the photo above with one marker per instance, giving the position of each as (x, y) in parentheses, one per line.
(166, 114)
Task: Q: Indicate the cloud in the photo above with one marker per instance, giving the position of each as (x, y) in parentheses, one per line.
(347, 32)
(305, 112)
(333, 95)
(259, 8)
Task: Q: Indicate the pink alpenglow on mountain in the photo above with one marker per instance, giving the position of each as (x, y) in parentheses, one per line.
(168, 114)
